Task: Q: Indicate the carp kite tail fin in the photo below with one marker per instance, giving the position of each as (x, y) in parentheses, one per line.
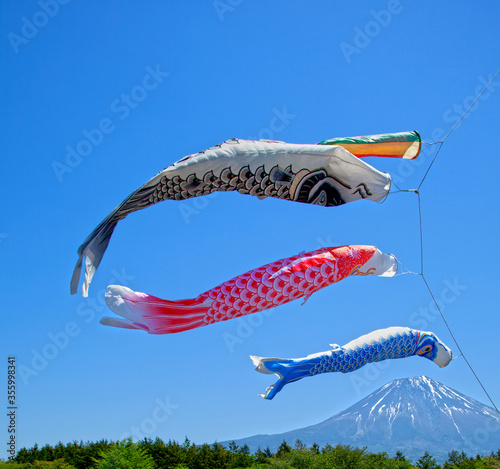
(288, 370)
(93, 248)
(149, 313)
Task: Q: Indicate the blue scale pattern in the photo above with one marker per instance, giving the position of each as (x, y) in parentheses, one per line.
(347, 360)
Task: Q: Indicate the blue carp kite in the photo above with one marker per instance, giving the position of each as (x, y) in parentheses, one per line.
(383, 344)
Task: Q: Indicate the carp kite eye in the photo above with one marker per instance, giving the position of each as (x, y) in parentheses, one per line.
(426, 349)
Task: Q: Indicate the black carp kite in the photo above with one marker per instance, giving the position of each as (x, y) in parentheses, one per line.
(329, 173)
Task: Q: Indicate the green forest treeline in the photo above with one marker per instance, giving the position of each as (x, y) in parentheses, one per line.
(156, 454)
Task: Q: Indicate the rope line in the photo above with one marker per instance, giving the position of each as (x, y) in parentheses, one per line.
(416, 191)
(458, 346)
(408, 271)
(439, 309)
(396, 186)
(421, 234)
(430, 166)
(469, 108)
(454, 127)
(403, 190)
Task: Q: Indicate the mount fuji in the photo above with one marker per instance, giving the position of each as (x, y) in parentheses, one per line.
(412, 415)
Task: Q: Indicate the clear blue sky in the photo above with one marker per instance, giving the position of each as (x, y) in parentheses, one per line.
(219, 70)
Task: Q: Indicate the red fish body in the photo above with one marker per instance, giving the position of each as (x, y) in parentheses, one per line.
(257, 290)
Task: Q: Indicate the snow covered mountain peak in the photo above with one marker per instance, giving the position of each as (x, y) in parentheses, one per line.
(412, 415)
